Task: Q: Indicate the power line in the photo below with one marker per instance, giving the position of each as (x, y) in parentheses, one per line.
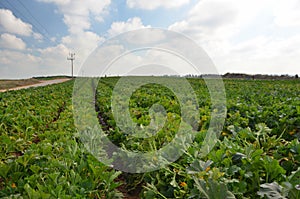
(25, 17)
(17, 10)
(29, 12)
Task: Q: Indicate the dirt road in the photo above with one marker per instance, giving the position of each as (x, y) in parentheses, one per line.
(42, 83)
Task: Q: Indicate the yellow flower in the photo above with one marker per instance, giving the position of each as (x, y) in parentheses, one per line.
(13, 185)
(207, 169)
(292, 132)
(224, 133)
(183, 184)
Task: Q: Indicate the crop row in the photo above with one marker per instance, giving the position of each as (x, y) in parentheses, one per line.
(257, 154)
(41, 156)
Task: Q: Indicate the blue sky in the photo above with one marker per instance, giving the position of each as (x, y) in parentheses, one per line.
(239, 36)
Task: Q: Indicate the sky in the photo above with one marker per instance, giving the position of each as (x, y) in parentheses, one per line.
(240, 36)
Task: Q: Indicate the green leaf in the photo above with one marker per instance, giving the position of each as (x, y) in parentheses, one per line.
(213, 189)
(294, 178)
(273, 169)
(271, 191)
(4, 169)
(198, 166)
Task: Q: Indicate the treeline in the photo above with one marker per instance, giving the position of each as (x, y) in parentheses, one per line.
(245, 76)
(258, 76)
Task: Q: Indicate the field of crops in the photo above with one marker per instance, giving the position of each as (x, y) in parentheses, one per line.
(257, 154)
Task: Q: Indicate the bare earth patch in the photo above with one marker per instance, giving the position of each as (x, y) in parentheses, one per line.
(7, 85)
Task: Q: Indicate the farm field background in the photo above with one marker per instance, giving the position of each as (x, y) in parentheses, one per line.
(6, 85)
(257, 155)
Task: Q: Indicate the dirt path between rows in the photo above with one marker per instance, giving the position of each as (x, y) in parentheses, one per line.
(42, 83)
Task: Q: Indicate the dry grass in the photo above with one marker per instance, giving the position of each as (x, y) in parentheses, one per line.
(7, 84)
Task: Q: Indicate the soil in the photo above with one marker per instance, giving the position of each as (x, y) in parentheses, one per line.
(8, 85)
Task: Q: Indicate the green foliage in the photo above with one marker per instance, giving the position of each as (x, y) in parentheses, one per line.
(40, 155)
(257, 155)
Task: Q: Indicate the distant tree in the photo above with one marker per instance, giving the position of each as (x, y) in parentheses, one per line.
(296, 76)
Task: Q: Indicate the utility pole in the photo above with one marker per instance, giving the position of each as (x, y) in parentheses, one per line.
(71, 58)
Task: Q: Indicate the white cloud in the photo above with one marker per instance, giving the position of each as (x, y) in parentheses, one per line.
(38, 36)
(261, 54)
(77, 13)
(240, 36)
(209, 19)
(18, 64)
(77, 16)
(58, 2)
(153, 4)
(54, 60)
(137, 62)
(58, 52)
(53, 39)
(9, 23)
(287, 13)
(9, 41)
(127, 53)
(83, 45)
(245, 36)
(85, 41)
(221, 20)
(146, 35)
(121, 26)
(50, 61)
